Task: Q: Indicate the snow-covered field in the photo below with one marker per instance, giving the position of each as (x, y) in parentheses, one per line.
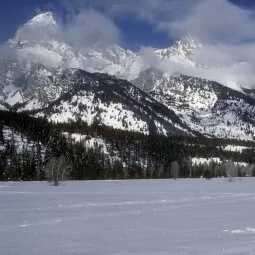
(148, 217)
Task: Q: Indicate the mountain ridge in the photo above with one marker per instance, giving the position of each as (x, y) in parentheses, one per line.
(38, 76)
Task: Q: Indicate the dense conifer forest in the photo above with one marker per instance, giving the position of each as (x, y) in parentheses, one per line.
(129, 155)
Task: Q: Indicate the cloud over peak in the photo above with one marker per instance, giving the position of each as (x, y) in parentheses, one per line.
(215, 21)
(91, 28)
(87, 28)
(226, 31)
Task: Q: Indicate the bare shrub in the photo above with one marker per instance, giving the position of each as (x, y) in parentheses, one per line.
(57, 170)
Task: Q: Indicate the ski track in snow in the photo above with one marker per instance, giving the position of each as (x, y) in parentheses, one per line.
(128, 217)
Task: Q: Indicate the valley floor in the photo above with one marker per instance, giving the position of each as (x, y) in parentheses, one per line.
(145, 217)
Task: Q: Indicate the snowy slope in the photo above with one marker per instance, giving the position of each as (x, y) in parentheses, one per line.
(207, 107)
(180, 52)
(103, 99)
(19, 140)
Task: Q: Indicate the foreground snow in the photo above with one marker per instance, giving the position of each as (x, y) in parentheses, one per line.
(128, 217)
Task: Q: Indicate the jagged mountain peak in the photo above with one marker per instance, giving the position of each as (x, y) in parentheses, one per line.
(41, 39)
(40, 28)
(184, 47)
(42, 19)
(206, 106)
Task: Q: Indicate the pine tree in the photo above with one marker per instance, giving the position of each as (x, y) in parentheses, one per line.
(1, 132)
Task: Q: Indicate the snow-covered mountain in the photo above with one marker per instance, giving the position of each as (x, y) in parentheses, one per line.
(207, 107)
(37, 51)
(41, 40)
(42, 74)
(104, 99)
(180, 52)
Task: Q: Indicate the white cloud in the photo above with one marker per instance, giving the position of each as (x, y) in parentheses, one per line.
(230, 64)
(6, 51)
(215, 21)
(80, 28)
(227, 33)
(90, 28)
(217, 63)
(208, 20)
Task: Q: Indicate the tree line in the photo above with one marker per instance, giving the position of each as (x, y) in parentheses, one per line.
(129, 155)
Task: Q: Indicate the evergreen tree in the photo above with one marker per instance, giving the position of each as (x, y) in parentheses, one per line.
(1, 132)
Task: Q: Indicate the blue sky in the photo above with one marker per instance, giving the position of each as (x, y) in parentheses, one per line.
(135, 31)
